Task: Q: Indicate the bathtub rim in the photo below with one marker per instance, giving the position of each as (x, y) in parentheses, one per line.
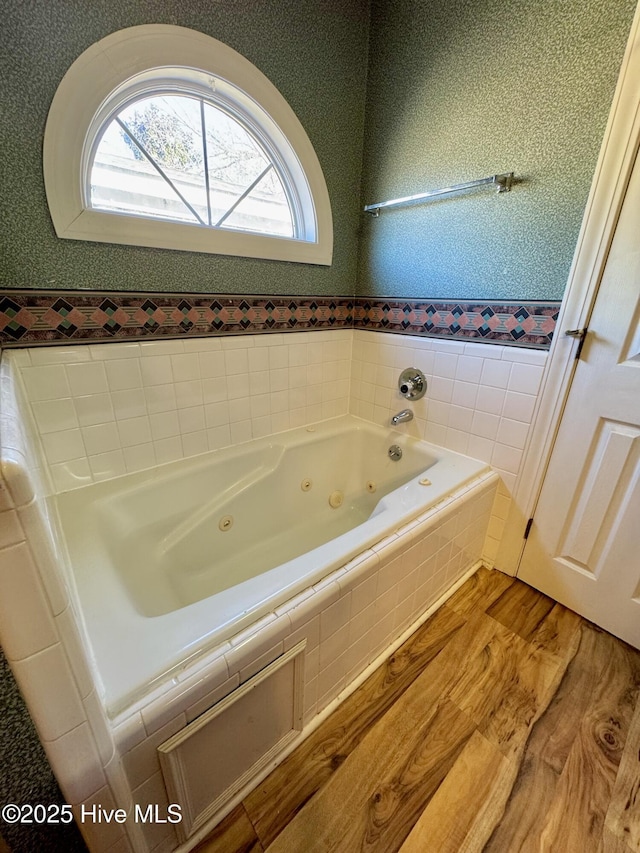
(222, 636)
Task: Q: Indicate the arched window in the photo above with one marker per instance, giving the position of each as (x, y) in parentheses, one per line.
(162, 136)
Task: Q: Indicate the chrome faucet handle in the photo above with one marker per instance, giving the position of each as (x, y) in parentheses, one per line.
(412, 383)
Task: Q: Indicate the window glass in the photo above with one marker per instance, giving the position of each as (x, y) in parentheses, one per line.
(183, 159)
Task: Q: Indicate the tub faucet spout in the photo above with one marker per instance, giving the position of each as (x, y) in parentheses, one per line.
(402, 417)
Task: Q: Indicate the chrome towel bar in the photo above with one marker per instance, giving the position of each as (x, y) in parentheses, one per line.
(503, 182)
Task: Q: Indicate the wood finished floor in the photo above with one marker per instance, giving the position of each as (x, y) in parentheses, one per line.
(505, 724)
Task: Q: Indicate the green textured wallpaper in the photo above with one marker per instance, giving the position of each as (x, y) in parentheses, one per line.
(463, 89)
(314, 51)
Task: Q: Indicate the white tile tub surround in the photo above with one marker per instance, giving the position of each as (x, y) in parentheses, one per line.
(105, 410)
(349, 620)
(38, 628)
(480, 397)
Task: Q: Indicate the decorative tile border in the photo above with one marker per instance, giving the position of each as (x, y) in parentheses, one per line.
(41, 317)
(530, 324)
(28, 318)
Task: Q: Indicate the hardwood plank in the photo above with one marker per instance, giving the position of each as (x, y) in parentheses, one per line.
(611, 843)
(582, 797)
(591, 694)
(521, 609)
(418, 732)
(480, 591)
(235, 834)
(275, 802)
(466, 807)
(558, 633)
(623, 815)
(504, 688)
(378, 798)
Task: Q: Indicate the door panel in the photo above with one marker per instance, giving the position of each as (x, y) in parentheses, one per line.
(584, 544)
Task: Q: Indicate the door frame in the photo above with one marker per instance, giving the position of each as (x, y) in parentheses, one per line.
(610, 180)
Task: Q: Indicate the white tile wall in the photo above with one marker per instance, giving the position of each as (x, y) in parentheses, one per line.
(116, 408)
(38, 629)
(103, 410)
(480, 397)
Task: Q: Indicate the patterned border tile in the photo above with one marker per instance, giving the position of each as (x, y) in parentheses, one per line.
(29, 318)
(41, 317)
(529, 324)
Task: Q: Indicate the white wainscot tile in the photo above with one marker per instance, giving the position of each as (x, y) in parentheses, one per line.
(168, 449)
(484, 351)
(441, 389)
(55, 415)
(48, 685)
(194, 443)
(310, 632)
(160, 398)
(513, 433)
(490, 400)
(211, 364)
(464, 394)
(57, 355)
(156, 370)
(114, 351)
(460, 418)
(212, 698)
(469, 369)
(152, 793)
(139, 457)
(100, 727)
(141, 762)
(76, 763)
(48, 382)
(27, 625)
(6, 501)
(104, 466)
(335, 617)
(236, 360)
(150, 349)
(525, 378)
(518, 406)
(87, 378)
(134, 431)
(496, 373)
(123, 374)
(445, 365)
(129, 733)
(44, 554)
(164, 425)
(101, 438)
(217, 389)
(525, 356)
(75, 650)
(189, 394)
(185, 367)
(248, 648)
(506, 458)
(485, 425)
(63, 446)
(100, 836)
(129, 404)
(10, 530)
(94, 409)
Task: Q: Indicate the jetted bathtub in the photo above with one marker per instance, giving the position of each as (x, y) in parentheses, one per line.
(174, 560)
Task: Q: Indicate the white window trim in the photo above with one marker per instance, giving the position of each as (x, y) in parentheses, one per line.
(88, 85)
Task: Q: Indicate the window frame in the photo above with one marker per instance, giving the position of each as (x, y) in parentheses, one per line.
(110, 72)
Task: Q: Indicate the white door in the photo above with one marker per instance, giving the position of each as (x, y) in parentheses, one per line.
(584, 545)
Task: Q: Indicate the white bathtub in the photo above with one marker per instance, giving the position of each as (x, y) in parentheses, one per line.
(162, 574)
